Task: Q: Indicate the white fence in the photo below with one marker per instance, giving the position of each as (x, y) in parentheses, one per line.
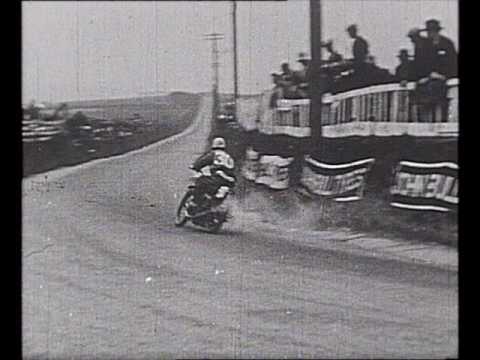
(380, 110)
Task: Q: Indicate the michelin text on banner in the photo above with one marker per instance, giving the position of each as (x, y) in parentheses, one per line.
(425, 186)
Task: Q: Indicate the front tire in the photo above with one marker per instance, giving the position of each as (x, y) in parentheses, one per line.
(181, 214)
(215, 227)
(216, 223)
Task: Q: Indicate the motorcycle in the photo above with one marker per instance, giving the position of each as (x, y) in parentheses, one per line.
(212, 210)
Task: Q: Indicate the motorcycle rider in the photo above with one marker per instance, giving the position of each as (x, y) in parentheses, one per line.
(221, 166)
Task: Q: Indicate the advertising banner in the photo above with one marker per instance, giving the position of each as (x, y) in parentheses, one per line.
(250, 164)
(425, 186)
(273, 171)
(269, 170)
(341, 182)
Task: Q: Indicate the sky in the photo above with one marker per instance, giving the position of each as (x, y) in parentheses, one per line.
(94, 49)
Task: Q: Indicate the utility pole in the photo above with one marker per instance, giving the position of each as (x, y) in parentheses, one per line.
(316, 83)
(37, 68)
(235, 59)
(214, 37)
(77, 50)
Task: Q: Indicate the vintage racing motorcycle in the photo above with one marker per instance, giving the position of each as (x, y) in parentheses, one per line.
(212, 212)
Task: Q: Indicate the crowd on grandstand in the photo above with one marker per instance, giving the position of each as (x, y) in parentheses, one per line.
(434, 60)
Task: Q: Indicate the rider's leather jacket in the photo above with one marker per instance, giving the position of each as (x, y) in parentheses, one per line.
(220, 163)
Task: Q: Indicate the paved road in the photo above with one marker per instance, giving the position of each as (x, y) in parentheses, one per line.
(106, 275)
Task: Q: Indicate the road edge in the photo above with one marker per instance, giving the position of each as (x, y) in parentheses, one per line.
(59, 173)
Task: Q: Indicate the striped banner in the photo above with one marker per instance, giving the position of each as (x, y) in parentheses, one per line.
(272, 171)
(269, 170)
(342, 182)
(34, 130)
(250, 164)
(425, 186)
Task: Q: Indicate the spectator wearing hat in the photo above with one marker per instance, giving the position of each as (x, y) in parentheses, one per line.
(301, 77)
(287, 74)
(420, 63)
(403, 72)
(440, 64)
(442, 56)
(304, 60)
(287, 81)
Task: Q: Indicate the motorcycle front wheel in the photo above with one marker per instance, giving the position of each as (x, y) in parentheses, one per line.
(215, 224)
(181, 214)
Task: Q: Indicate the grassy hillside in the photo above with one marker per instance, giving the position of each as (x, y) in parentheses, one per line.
(112, 127)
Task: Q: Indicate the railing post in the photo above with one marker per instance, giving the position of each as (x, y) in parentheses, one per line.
(315, 80)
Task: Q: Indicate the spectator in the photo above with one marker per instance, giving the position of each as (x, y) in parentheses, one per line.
(440, 63)
(286, 74)
(420, 67)
(301, 76)
(360, 45)
(277, 90)
(442, 55)
(403, 72)
(333, 55)
(360, 76)
(287, 81)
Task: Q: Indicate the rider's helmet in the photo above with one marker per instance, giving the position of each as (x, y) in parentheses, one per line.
(218, 143)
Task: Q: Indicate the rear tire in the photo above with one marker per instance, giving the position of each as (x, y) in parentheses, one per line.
(181, 216)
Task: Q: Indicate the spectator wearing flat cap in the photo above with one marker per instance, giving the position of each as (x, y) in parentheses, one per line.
(442, 56)
(403, 72)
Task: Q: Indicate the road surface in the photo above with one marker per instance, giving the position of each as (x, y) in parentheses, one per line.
(106, 275)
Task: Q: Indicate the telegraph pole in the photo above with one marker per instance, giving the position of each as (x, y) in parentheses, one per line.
(235, 59)
(37, 68)
(214, 37)
(316, 79)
